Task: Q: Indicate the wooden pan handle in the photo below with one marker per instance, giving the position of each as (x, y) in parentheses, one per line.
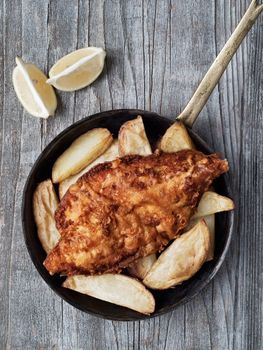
(207, 85)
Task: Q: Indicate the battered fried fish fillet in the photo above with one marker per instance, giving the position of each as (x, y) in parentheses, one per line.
(129, 208)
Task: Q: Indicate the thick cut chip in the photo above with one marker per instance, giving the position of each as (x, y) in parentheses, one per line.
(45, 203)
(84, 150)
(133, 139)
(212, 203)
(181, 260)
(176, 138)
(210, 221)
(110, 154)
(142, 266)
(117, 289)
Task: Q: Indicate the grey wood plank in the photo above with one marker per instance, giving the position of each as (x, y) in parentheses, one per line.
(10, 154)
(157, 53)
(27, 320)
(249, 290)
(62, 28)
(156, 25)
(1, 78)
(236, 91)
(91, 32)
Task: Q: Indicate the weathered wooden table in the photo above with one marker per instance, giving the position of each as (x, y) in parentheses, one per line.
(157, 52)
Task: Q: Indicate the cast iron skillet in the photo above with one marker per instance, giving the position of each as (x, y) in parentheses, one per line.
(155, 126)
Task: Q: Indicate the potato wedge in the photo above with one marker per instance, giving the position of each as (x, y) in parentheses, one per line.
(210, 221)
(181, 260)
(111, 153)
(80, 153)
(45, 203)
(176, 138)
(142, 266)
(114, 288)
(212, 203)
(132, 138)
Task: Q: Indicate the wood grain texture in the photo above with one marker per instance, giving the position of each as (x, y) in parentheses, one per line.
(157, 52)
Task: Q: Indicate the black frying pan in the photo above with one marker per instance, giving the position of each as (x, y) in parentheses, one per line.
(155, 126)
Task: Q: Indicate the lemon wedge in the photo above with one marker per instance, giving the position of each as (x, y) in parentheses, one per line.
(77, 69)
(36, 96)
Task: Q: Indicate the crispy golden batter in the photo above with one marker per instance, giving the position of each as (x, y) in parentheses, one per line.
(129, 208)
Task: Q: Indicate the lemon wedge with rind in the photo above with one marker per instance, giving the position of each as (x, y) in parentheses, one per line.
(78, 69)
(36, 96)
